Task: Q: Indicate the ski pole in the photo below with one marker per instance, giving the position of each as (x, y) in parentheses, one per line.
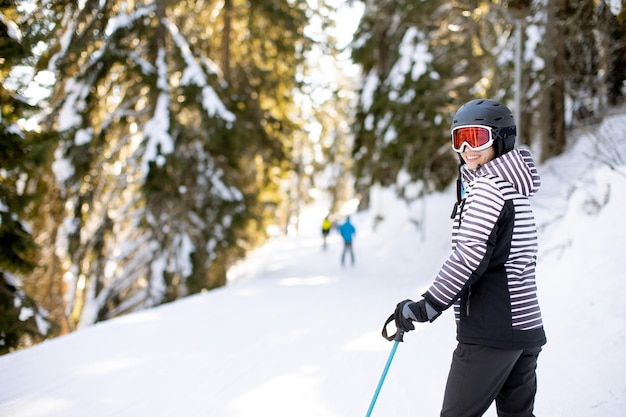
(397, 338)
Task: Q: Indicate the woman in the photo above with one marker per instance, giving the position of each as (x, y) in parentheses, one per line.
(489, 277)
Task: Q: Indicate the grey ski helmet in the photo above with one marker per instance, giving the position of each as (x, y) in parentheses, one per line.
(489, 113)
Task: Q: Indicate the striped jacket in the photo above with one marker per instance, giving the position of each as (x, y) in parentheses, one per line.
(490, 275)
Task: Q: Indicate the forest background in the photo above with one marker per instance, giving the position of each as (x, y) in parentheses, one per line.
(147, 146)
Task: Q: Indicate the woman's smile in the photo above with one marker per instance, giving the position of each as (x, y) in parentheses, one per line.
(475, 159)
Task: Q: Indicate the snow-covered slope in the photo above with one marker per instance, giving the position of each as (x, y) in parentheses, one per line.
(295, 334)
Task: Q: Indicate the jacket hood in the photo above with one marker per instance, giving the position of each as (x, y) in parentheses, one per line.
(516, 167)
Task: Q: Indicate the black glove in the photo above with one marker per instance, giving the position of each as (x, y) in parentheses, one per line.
(409, 311)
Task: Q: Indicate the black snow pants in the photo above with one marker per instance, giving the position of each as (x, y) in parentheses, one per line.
(347, 249)
(480, 374)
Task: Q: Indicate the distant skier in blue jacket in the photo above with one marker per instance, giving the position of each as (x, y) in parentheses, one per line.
(347, 232)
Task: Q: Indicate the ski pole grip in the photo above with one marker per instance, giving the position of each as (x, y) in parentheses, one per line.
(397, 336)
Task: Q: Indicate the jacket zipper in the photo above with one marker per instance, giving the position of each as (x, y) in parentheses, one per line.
(467, 303)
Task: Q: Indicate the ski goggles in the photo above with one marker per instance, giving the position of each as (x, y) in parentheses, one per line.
(477, 137)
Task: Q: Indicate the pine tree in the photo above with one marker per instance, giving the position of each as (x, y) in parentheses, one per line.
(420, 60)
(21, 319)
(613, 41)
(175, 132)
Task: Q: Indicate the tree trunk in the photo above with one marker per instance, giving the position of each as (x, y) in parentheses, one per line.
(227, 15)
(556, 140)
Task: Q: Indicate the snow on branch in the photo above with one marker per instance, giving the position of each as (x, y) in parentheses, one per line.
(156, 129)
(126, 20)
(71, 24)
(12, 29)
(74, 104)
(414, 58)
(195, 75)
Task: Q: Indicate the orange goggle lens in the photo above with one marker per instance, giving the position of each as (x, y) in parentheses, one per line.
(476, 137)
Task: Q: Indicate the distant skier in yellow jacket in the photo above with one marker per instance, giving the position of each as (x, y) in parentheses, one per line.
(326, 226)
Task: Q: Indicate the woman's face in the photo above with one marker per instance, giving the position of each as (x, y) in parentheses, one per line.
(474, 159)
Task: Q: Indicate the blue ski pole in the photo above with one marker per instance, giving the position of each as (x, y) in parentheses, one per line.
(397, 338)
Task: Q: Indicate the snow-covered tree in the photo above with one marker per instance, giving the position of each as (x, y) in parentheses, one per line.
(175, 132)
(421, 60)
(21, 318)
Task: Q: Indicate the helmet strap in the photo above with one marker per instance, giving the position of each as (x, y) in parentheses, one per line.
(459, 191)
(498, 147)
